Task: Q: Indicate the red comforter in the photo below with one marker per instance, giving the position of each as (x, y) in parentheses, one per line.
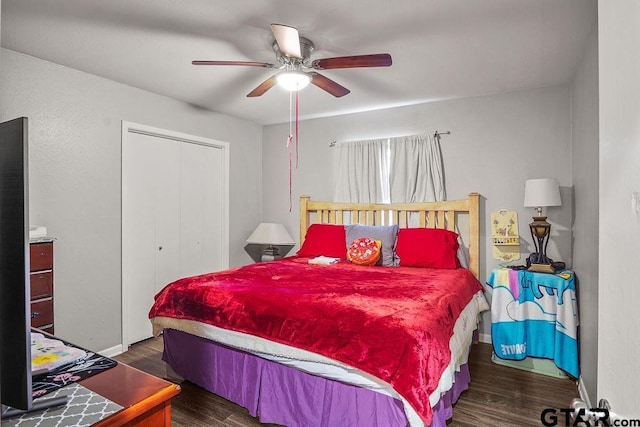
(394, 323)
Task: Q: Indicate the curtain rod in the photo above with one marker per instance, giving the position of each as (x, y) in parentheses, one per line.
(444, 132)
(435, 135)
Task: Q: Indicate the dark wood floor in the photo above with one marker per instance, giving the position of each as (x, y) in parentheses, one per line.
(498, 396)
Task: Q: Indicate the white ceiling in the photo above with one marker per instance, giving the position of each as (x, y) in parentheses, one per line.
(441, 49)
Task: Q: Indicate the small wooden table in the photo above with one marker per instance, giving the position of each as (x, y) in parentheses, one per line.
(146, 400)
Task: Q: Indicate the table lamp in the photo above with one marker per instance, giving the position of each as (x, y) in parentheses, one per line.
(539, 193)
(270, 234)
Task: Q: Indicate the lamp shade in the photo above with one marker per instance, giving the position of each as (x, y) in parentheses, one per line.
(542, 192)
(268, 233)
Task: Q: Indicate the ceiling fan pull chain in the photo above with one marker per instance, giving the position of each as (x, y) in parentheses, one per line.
(290, 148)
(289, 144)
(297, 116)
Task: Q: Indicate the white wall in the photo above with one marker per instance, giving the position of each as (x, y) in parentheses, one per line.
(619, 287)
(75, 179)
(496, 143)
(584, 135)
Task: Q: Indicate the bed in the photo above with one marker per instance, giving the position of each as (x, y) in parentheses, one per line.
(298, 343)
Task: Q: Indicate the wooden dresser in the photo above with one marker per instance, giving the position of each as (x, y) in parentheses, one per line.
(145, 399)
(41, 259)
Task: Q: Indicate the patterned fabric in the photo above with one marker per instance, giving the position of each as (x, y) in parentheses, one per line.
(83, 408)
(49, 353)
(364, 251)
(385, 233)
(535, 314)
(91, 364)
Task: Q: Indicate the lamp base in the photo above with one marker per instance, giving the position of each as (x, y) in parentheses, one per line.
(541, 268)
(270, 253)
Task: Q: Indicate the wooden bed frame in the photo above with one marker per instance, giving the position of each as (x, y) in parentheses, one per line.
(431, 214)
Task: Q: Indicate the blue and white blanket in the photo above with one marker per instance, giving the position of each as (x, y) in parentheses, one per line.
(535, 314)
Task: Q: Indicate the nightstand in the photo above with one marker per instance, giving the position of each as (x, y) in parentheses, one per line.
(534, 315)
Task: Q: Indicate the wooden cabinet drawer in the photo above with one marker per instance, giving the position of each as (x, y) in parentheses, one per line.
(41, 256)
(41, 285)
(42, 313)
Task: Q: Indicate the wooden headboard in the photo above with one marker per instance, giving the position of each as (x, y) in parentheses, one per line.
(431, 214)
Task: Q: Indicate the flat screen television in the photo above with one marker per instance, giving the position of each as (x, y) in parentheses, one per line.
(15, 313)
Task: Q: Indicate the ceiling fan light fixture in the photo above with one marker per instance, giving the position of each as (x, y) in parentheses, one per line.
(293, 80)
(297, 70)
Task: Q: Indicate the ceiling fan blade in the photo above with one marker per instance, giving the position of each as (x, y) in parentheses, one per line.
(328, 85)
(357, 61)
(244, 63)
(263, 87)
(288, 40)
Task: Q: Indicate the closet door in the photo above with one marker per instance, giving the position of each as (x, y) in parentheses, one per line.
(174, 218)
(165, 215)
(201, 214)
(146, 165)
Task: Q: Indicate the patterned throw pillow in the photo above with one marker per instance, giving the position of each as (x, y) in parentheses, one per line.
(364, 251)
(385, 233)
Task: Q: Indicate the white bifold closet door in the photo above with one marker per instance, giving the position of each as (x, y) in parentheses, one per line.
(173, 219)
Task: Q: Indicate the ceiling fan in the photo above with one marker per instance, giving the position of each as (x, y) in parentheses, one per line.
(293, 54)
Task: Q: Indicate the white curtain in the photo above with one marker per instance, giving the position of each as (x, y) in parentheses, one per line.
(398, 170)
(362, 171)
(417, 173)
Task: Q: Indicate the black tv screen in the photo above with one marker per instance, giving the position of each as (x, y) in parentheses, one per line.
(15, 331)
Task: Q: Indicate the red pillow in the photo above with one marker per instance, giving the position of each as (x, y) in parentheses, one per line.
(427, 247)
(325, 239)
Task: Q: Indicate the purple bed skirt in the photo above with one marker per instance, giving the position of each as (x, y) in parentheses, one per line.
(284, 395)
